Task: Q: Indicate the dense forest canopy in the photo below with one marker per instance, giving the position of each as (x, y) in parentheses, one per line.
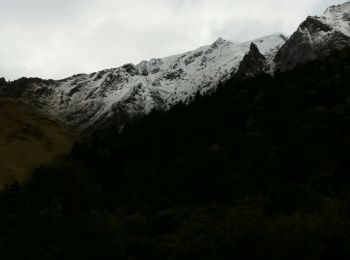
(257, 170)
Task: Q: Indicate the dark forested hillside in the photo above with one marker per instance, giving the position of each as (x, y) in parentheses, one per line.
(257, 170)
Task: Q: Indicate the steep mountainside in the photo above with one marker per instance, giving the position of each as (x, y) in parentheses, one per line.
(316, 37)
(27, 139)
(253, 64)
(86, 100)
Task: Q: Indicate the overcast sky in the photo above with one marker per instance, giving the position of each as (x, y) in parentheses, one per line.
(58, 38)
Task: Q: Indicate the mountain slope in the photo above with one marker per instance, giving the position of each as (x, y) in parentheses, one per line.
(91, 101)
(316, 37)
(257, 170)
(86, 100)
(27, 139)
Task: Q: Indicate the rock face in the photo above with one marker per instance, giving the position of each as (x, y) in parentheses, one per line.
(253, 63)
(130, 90)
(316, 37)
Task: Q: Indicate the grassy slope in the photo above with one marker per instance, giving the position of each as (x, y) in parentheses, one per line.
(27, 139)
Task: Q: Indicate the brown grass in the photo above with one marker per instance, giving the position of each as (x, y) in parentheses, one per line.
(28, 139)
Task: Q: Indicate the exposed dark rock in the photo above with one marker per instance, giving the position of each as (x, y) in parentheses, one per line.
(154, 65)
(296, 50)
(313, 25)
(306, 44)
(193, 57)
(174, 74)
(131, 69)
(74, 90)
(143, 68)
(253, 63)
(99, 75)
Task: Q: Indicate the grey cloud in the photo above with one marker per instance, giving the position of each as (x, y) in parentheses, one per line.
(41, 11)
(54, 39)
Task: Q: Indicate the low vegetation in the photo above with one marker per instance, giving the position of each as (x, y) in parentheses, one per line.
(27, 140)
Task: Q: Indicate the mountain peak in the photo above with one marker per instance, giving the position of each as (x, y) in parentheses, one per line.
(253, 63)
(316, 37)
(91, 100)
(220, 41)
(254, 48)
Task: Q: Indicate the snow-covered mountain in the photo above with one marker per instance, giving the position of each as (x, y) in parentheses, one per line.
(316, 37)
(87, 100)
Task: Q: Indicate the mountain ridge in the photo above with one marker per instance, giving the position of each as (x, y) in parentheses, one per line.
(316, 37)
(88, 101)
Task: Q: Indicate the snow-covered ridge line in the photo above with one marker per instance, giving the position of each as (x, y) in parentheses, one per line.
(338, 17)
(89, 99)
(316, 37)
